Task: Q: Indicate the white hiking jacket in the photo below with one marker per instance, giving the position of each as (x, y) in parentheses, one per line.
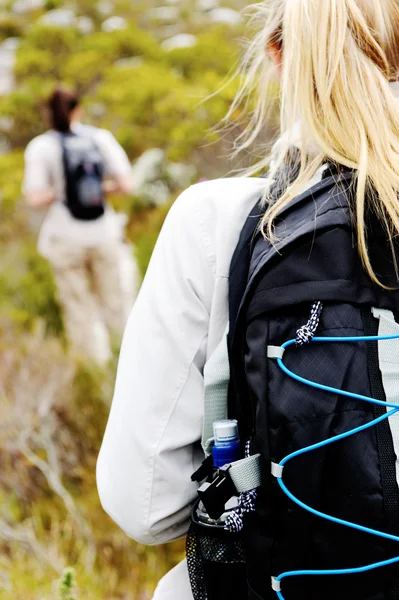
(151, 445)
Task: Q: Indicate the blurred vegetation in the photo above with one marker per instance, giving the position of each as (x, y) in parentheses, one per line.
(54, 409)
(67, 585)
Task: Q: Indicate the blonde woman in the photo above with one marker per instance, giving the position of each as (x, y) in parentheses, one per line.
(338, 62)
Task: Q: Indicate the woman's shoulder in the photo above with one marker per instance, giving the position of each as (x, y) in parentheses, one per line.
(215, 211)
(221, 198)
(41, 144)
(99, 134)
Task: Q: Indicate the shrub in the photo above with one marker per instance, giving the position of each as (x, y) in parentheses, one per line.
(67, 585)
(10, 26)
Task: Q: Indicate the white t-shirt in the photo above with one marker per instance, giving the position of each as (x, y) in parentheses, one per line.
(44, 169)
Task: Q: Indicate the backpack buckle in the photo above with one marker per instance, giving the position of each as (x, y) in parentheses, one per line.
(215, 494)
(206, 469)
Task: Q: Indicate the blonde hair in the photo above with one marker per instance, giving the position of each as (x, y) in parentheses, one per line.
(339, 57)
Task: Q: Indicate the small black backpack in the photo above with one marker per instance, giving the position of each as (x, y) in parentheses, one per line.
(311, 282)
(84, 174)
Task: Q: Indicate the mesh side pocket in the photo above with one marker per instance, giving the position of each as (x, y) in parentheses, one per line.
(216, 563)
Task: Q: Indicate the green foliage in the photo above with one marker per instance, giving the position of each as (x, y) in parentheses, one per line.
(165, 110)
(214, 51)
(67, 585)
(24, 108)
(36, 293)
(151, 97)
(9, 26)
(11, 174)
(28, 291)
(88, 414)
(52, 4)
(133, 109)
(123, 43)
(58, 41)
(84, 69)
(143, 231)
(44, 51)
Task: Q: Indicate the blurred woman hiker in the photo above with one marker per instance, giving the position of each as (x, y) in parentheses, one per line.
(71, 169)
(275, 302)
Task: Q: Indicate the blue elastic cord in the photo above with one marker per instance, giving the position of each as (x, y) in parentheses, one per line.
(337, 438)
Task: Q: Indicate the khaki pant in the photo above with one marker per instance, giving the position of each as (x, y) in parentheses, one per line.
(96, 288)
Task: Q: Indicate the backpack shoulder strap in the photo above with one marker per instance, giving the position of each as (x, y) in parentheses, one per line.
(217, 369)
(62, 138)
(216, 385)
(65, 160)
(239, 267)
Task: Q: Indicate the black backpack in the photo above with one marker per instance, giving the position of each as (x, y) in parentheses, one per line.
(84, 174)
(310, 282)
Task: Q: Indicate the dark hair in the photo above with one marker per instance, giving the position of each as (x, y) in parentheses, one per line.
(61, 104)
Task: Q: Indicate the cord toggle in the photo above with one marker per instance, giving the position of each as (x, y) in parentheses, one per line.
(277, 470)
(275, 352)
(276, 585)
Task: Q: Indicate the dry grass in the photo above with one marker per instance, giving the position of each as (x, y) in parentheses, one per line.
(50, 516)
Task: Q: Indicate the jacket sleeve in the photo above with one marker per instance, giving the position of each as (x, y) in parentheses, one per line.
(37, 174)
(150, 447)
(117, 163)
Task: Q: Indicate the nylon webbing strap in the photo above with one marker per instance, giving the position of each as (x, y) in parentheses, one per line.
(388, 352)
(384, 374)
(246, 473)
(216, 380)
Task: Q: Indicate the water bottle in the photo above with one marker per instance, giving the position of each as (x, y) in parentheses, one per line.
(215, 553)
(226, 450)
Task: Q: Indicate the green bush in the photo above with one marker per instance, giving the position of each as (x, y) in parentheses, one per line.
(67, 585)
(123, 43)
(11, 174)
(24, 107)
(36, 292)
(28, 292)
(215, 50)
(52, 4)
(143, 231)
(10, 26)
(155, 102)
(133, 97)
(58, 41)
(86, 67)
(150, 105)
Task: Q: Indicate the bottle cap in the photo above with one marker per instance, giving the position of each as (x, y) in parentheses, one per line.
(225, 431)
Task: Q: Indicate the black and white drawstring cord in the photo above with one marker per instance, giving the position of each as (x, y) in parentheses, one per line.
(306, 333)
(246, 504)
